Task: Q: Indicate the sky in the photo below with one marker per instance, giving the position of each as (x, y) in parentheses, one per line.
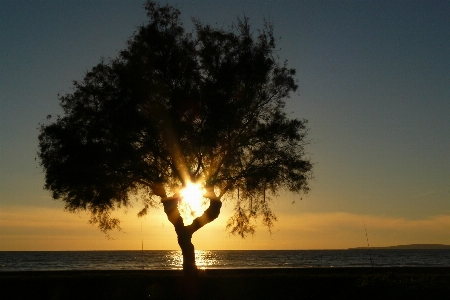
(374, 85)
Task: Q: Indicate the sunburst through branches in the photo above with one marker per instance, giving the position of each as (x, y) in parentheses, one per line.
(192, 203)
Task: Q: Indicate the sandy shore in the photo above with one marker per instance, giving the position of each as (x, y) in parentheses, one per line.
(315, 283)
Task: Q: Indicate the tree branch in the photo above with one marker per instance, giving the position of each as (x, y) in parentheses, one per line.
(210, 214)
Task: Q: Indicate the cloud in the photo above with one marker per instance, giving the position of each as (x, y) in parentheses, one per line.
(340, 230)
(319, 221)
(38, 228)
(41, 228)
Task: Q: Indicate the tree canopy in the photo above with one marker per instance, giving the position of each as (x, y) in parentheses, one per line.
(175, 107)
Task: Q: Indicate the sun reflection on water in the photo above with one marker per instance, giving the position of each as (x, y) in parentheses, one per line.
(203, 258)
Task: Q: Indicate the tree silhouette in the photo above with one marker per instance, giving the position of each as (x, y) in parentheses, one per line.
(176, 108)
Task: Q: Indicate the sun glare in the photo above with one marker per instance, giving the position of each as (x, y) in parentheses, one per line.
(192, 195)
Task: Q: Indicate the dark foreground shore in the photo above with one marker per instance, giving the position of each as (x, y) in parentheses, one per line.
(314, 283)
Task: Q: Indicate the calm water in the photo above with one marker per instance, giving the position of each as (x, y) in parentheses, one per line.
(132, 260)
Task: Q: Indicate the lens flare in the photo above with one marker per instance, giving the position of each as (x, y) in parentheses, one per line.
(192, 196)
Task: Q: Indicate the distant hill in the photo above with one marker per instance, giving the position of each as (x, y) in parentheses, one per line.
(412, 246)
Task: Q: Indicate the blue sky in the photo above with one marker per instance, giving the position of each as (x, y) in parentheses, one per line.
(374, 83)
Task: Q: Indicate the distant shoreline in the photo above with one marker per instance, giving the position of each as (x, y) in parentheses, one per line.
(400, 247)
(411, 246)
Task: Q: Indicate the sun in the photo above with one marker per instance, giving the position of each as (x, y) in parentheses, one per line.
(192, 195)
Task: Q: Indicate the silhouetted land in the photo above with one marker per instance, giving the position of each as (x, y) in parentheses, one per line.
(411, 246)
(307, 283)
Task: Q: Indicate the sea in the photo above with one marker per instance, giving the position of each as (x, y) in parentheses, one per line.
(220, 259)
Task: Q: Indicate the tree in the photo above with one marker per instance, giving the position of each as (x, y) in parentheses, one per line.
(175, 110)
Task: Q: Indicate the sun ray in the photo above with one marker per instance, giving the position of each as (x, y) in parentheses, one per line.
(191, 201)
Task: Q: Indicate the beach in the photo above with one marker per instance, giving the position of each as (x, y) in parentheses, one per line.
(271, 283)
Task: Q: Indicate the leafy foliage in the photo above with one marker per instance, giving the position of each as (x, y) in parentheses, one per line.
(206, 106)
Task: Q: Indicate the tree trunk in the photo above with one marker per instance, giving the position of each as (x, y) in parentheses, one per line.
(188, 252)
(184, 233)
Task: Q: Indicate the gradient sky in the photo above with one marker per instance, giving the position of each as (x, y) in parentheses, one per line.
(374, 83)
